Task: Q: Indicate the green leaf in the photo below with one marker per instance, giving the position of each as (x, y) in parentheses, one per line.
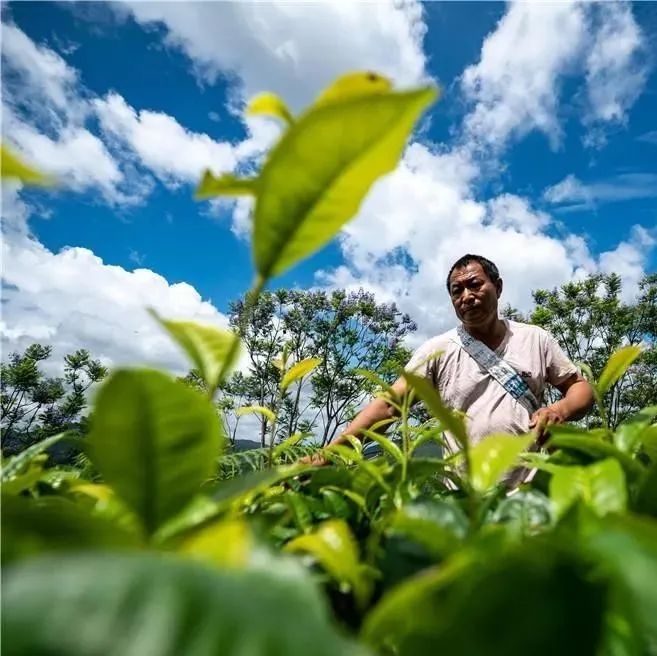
(208, 347)
(626, 547)
(616, 366)
(428, 393)
(357, 84)
(316, 177)
(35, 526)
(11, 166)
(299, 370)
(437, 525)
(154, 440)
(629, 435)
(601, 486)
(333, 546)
(592, 446)
(526, 511)
(256, 410)
(300, 511)
(226, 543)
(129, 605)
(224, 185)
(386, 444)
(492, 458)
(16, 464)
(269, 104)
(375, 380)
(456, 608)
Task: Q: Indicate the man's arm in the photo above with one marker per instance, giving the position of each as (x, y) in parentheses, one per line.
(577, 400)
(375, 411)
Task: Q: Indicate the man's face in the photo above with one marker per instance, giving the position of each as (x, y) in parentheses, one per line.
(474, 296)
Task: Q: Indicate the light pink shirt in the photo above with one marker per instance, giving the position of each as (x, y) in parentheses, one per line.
(465, 386)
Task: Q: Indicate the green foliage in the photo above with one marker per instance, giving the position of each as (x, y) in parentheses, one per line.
(208, 347)
(35, 407)
(162, 541)
(161, 606)
(591, 322)
(154, 440)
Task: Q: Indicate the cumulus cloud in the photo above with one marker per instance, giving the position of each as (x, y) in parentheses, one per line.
(172, 152)
(293, 49)
(515, 84)
(72, 299)
(616, 69)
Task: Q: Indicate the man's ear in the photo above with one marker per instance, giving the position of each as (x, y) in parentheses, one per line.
(499, 285)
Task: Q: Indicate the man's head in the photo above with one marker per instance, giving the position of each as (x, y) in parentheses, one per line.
(474, 286)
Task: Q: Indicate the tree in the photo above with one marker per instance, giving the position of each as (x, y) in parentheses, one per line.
(35, 406)
(346, 331)
(590, 321)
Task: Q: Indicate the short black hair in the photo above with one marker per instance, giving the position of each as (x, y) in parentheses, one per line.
(489, 267)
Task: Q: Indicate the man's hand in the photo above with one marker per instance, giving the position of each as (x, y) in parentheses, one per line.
(315, 460)
(545, 417)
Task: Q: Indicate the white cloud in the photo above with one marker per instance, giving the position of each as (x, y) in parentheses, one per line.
(72, 299)
(168, 149)
(39, 67)
(293, 49)
(626, 186)
(515, 84)
(615, 69)
(425, 214)
(629, 259)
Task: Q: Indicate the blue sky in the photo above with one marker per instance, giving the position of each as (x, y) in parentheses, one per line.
(541, 155)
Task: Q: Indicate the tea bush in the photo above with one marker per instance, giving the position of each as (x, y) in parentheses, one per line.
(163, 545)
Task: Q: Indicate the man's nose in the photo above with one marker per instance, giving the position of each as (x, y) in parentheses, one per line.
(467, 297)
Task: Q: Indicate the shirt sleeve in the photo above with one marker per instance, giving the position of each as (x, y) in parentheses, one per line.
(559, 367)
(423, 360)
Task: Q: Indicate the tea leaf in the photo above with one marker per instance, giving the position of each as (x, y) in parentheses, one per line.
(224, 185)
(256, 410)
(493, 456)
(616, 366)
(319, 172)
(11, 166)
(334, 548)
(600, 485)
(154, 440)
(428, 393)
(14, 465)
(207, 347)
(160, 606)
(269, 104)
(354, 85)
(299, 370)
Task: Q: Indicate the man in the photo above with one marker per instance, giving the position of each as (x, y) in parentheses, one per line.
(494, 370)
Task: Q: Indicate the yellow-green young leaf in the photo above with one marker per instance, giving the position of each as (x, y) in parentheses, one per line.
(428, 393)
(269, 104)
(207, 347)
(154, 440)
(227, 543)
(386, 444)
(256, 410)
(287, 443)
(224, 185)
(11, 166)
(333, 546)
(493, 457)
(354, 85)
(616, 366)
(316, 177)
(299, 370)
(601, 486)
